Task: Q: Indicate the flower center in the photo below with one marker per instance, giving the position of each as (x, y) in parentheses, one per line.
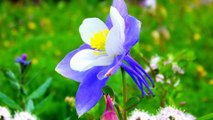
(98, 40)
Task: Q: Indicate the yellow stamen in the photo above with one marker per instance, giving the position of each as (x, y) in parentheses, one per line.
(98, 40)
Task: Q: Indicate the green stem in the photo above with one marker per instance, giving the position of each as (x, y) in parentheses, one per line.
(22, 90)
(124, 93)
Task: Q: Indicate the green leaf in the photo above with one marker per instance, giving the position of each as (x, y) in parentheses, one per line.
(43, 102)
(33, 77)
(41, 90)
(12, 78)
(108, 90)
(132, 102)
(206, 117)
(30, 106)
(9, 102)
(10, 75)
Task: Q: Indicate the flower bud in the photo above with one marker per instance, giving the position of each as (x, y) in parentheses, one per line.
(109, 113)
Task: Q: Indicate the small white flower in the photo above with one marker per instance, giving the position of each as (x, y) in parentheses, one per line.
(4, 113)
(141, 115)
(177, 83)
(170, 113)
(177, 68)
(154, 62)
(167, 62)
(24, 116)
(159, 78)
(150, 4)
(147, 69)
(168, 81)
(189, 117)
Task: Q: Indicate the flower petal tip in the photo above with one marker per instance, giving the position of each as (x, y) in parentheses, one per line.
(153, 86)
(57, 68)
(79, 114)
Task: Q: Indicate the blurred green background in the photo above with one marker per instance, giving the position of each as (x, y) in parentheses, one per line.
(47, 30)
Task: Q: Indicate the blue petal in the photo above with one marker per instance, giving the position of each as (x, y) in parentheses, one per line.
(64, 66)
(132, 32)
(122, 9)
(89, 92)
(132, 62)
(120, 5)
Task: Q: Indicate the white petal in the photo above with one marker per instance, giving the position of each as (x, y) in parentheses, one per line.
(86, 59)
(116, 37)
(89, 27)
(114, 45)
(117, 19)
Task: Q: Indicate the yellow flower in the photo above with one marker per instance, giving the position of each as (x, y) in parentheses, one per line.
(6, 44)
(196, 36)
(31, 25)
(57, 53)
(201, 71)
(211, 82)
(163, 11)
(34, 61)
(156, 37)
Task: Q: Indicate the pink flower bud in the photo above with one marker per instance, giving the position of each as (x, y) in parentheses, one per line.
(109, 113)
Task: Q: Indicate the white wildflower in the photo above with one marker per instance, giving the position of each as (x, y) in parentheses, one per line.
(141, 115)
(4, 113)
(159, 78)
(24, 116)
(154, 62)
(150, 4)
(177, 83)
(170, 113)
(168, 81)
(147, 69)
(177, 68)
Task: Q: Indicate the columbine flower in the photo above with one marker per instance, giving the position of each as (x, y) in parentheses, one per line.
(141, 115)
(109, 113)
(106, 47)
(170, 113)
(24, 116)
(4, 114)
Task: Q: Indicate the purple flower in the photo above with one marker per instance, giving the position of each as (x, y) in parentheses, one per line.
(23, 60)
(109, 113)
(106, 48)
(24, 63)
